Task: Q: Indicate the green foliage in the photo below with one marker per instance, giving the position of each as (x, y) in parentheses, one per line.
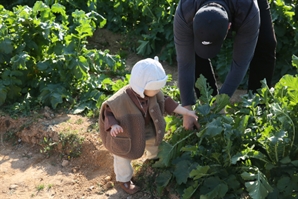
(256, 184)
(284, 17)
(246, 147)
(150, 21)
(153, 21)
(69, 145)
(250, 148)
(295, 61)
(71, 5)
(48, 146)
(40, 187)
(149, 24)
(44, 57)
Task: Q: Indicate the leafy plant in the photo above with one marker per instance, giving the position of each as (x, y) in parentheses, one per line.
(149, 25)
(284, 17)
(71, 144)
(148, 22)
(40, 187)
(44, 57)
(48, 146)
(250, 148)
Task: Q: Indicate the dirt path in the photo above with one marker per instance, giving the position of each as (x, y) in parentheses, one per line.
(25, 172)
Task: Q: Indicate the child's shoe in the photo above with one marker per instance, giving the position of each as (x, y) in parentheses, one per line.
(129, 187)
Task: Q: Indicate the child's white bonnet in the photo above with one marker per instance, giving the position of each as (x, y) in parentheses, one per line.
(147, 74)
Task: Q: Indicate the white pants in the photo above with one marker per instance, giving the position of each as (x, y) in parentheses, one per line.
(122, 166)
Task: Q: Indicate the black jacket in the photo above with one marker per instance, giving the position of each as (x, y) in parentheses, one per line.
(245, 18)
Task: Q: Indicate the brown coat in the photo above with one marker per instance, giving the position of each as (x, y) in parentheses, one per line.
(131, 143)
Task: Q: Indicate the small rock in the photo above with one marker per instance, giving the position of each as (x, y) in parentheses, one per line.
(108, 178)
(65, 163)
(13, 186)
(47, 108)
(47, 115)
(108, 185)
(102, 183)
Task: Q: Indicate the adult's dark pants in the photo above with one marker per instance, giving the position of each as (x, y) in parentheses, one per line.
(263, 62)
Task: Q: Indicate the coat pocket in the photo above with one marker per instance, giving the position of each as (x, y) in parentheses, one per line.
(120, 145)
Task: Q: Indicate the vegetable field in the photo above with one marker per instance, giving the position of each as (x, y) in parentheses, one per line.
(248, 147)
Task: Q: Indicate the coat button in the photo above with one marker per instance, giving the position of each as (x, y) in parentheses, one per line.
(151, 110)
(156, 120)
(159, 131)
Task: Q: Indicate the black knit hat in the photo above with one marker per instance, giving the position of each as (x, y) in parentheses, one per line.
(210, 26)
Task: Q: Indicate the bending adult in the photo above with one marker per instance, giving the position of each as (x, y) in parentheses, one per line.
(201, 26)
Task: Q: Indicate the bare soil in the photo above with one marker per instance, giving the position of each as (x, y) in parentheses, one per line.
(25, 172)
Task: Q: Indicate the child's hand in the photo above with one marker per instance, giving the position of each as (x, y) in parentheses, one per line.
(115, 129)
(192, 114)
(189, 117)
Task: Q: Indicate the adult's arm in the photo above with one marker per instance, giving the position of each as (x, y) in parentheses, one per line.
(184, 43)
(243, 51)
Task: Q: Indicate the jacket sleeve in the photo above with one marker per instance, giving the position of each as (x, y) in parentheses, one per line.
(184, 44)
(243, 50)
(170, 105)
(109, 118)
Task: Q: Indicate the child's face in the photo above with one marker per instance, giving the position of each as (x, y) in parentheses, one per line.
(151, 93)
